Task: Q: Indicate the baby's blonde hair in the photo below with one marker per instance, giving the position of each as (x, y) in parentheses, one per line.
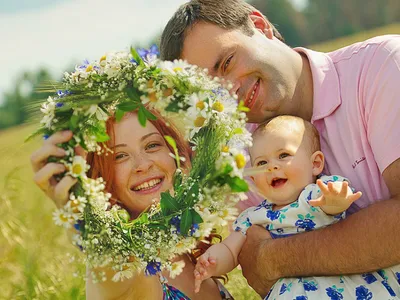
(291, 123)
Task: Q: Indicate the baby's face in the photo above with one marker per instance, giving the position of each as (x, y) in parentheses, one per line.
(287, 158)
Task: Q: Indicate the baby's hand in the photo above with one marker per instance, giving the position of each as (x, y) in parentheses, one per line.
(204, 269)
(336, 194)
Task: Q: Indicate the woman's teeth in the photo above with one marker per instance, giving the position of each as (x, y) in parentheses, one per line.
(147, 185)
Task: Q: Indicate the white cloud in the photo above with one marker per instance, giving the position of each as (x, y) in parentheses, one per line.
(61, 35)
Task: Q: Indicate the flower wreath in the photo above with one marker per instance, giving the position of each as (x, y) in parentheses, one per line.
(213, 124)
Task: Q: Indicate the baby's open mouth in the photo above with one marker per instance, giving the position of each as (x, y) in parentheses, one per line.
(278, 182)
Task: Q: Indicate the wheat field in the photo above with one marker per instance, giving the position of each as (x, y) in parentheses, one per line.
(36, 259)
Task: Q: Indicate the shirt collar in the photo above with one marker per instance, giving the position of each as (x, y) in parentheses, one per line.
(326, 94)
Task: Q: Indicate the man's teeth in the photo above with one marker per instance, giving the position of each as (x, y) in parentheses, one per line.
(147, 185)
(254, 90)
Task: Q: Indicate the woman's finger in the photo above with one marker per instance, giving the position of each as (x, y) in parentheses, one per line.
(59, 137)
(39, 157)
(61, 190)
(43, 176)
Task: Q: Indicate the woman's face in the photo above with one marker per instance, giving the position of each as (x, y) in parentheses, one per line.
(143, 166)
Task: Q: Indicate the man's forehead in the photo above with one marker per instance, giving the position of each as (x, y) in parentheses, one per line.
(205, 44)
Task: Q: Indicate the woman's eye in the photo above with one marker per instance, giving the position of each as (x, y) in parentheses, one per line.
(261, 162)
(152, 146)
(227, 62)
(119, 156)
(283, 155)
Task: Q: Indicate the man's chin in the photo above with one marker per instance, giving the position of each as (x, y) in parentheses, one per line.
(259, 117)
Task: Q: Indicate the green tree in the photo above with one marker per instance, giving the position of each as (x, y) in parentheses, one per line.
(14, 110)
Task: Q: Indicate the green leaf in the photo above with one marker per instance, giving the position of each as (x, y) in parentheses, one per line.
(128, 106)
(177, 180)
(301, 217)
(168, 203)
(73, 122)
(142, 116)
(133, 93)
(136, 56)
(170, 141)
(119, 114)
(149, 115)
(102, 136)
(192, 195)
(237, 184)
(186, 221)
(197, 219)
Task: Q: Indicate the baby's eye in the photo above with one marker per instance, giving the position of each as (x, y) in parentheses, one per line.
(261, 162)
(283, 155)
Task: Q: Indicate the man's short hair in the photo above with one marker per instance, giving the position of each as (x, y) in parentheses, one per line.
(227, 14)
(292, 123)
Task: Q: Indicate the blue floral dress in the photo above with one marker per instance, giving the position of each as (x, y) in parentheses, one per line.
(299, 217)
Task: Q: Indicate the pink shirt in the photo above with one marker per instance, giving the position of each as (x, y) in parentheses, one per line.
(357, 113)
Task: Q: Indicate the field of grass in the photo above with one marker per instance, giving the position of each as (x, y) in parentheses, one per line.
(36, 258)
(362, 36)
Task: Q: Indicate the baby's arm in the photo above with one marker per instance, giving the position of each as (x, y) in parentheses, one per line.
(336, 197)
(219, 259)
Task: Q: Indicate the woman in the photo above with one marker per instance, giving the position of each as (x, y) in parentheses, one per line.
(138, 171)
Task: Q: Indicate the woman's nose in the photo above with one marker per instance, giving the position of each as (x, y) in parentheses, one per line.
(142, 164)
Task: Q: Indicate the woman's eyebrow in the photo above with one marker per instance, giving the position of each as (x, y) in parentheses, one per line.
(149, 134)
(119, 145)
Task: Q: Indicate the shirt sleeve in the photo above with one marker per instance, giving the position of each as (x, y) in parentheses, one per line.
(381, 97)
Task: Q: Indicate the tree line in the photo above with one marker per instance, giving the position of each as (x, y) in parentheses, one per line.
(319, 21)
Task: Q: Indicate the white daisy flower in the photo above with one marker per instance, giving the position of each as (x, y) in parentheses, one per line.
(176, 268)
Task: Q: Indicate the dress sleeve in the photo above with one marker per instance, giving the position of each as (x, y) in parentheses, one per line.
(242, 223)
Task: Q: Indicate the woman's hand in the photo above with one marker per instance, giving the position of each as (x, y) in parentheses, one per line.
(45, 171)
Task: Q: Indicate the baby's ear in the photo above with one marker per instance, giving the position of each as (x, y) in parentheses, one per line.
(317, 160)
(252, 178)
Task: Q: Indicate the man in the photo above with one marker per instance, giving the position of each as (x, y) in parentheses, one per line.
(350, 95)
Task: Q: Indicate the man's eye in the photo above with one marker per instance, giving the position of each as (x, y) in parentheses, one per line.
(283, 155)
(261, 162)
(227, 62)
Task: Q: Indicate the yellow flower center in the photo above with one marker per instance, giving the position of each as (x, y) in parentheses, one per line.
(153, 97)
(177, 69)
(200, 105)
(77, 169)
(150, 83)
(225, 149)
(199, 121)
(167, 92)
(89, 68)
(64, 218)
(240, 161)
(238, 131)
(104, 57)
(218, 106)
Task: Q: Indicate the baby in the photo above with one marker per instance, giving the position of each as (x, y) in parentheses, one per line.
(298, 199)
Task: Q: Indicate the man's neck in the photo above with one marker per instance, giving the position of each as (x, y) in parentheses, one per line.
(304, 91)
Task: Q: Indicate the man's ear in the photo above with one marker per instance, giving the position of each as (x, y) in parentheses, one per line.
(318, 161)
(261, 24)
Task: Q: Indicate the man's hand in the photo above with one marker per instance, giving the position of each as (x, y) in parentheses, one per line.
(254, 250)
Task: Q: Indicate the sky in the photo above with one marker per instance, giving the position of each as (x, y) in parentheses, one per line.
(57, 34)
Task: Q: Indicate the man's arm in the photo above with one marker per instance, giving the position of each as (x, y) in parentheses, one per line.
(367, 240)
